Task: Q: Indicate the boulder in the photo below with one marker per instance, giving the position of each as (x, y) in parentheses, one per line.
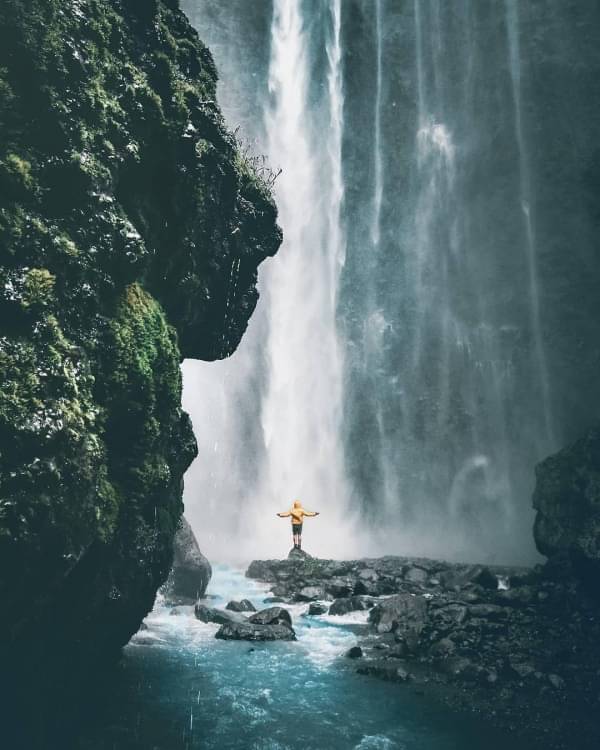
(416, 575)
(310, 594)
(493, 612)
(219, 616)
(349, 604)
(262, 570)
(404, 614)
(354, 653)
(524, 596)
(450, 616)
(339, 587)
(272, 616)
(245, 605)
(567, 501)
(316, 608)
(368, 574)
(486, 579)
(442, 649)
(190, 572)
(298, 554)
(458, 577)
(249, 631)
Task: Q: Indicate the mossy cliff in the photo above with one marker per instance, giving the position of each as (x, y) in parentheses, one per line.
(131, 229)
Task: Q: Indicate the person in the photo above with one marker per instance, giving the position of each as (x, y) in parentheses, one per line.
(298, 513)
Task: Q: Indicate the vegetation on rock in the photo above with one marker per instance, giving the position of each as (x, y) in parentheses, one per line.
(131, 228)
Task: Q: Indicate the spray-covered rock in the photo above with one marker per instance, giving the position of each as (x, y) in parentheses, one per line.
(191, 571)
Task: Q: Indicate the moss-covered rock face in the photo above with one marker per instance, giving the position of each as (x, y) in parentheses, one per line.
(131, 229)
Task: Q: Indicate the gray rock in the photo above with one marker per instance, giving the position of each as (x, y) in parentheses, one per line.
(449, 616)
(191, 571)
(248, 631)
(354, 653)
(349, 604)
(219, 616)
(262, 570)
(442, 649)
(368, 574)
(298, 554)
(520, 597)
(416, 575)
(403, 613)
(567, 500)
(310, 594)
(459, 576)
(487, 579)
(272, 616)
(489, 612)
(245, 605)
(316, 608)
(339, 587)
(146, 640)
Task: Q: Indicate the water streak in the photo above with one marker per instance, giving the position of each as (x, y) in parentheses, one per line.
(512, 22)
(302, 405)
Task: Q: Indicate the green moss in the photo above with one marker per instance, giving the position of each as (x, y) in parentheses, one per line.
(39, 288)
(15, 175)
(125, 204)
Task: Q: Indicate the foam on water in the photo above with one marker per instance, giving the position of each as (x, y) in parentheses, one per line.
(189, 690)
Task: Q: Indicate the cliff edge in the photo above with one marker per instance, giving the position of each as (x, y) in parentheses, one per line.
(131, 228)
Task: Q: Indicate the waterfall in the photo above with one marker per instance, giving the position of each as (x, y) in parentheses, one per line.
(512, 22)
(377, 146)
(303, 395)
(411, 356)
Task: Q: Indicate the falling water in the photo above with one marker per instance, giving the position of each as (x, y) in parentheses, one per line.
(512, 22)
(301, 408)
(377, 147)
(411, 357)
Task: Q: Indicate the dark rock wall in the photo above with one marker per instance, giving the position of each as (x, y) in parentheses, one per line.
(567, 500)
(131, 228)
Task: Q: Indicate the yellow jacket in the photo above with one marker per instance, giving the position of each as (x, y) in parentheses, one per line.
(297, 512)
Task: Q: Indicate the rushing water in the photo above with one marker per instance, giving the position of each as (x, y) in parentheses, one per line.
(188, 690)
(426, 333)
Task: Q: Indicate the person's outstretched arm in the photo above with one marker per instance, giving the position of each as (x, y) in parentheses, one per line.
(311, 513)
(285, 514)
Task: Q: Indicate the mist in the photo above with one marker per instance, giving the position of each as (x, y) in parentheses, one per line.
(411, 356)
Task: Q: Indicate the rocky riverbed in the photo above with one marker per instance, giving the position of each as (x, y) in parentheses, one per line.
(520, 646)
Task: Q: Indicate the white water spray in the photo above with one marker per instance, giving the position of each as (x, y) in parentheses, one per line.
(302, 406)
(512, 23)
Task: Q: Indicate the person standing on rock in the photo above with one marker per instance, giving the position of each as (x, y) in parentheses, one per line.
(297, 512)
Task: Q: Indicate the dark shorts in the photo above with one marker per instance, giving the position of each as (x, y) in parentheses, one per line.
(296, 528)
